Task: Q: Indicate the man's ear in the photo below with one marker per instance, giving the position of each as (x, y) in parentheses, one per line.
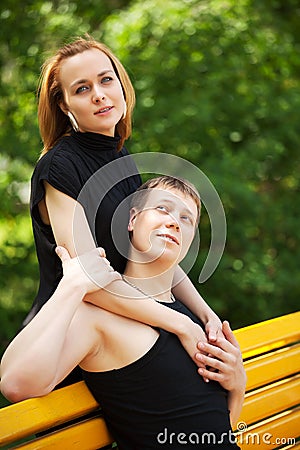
(132, 216)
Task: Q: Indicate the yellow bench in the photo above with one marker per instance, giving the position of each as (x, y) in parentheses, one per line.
(270, 417)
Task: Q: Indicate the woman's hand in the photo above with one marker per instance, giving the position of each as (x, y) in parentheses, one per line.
(191, 337)
(223, 361)
(213, 328)
(90, 271)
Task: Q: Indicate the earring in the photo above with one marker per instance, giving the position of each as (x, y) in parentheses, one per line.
(73, 122)
(125, 111)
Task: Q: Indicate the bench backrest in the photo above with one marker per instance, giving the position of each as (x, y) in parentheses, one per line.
(271, 415)
(271, 354)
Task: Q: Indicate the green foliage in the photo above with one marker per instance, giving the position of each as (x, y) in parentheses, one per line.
(217, 83)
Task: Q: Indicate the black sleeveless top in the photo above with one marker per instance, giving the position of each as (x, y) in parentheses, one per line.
(89, 168)
(160, 400)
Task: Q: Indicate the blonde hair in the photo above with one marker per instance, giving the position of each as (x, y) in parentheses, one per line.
(166, 182)
(53, 123)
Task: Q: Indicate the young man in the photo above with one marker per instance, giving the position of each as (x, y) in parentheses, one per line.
(149, 388)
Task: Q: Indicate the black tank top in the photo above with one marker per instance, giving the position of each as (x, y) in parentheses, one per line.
(160, 400)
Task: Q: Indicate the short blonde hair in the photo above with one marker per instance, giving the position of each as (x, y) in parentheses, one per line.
(53, 122)
(182, 185)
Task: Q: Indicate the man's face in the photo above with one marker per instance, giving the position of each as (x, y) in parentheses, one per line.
(165, 227)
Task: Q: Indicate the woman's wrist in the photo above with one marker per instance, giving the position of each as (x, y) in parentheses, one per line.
(182, 326)
(208, 315)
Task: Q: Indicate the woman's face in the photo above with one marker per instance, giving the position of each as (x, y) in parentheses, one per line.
(92, 92)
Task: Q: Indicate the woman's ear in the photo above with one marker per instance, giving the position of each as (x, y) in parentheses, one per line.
(132, 216)
(63, 107)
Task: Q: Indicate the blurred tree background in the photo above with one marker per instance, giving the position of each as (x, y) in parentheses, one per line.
(217, 83)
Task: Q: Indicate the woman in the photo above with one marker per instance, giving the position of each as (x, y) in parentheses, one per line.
(85, 105)
(147, 385)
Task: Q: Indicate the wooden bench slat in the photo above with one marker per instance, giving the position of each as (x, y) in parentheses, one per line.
(271, 400)
(283, 426)
(87, 435)
(272, 366)
(37, 414)
(264, 336)
(271, 350)
(294, 447)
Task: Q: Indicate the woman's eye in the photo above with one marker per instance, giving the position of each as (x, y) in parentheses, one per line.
(81, 89)
(106, 79)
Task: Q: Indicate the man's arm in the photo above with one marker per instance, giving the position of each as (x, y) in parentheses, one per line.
(44, 352)
(226, 366)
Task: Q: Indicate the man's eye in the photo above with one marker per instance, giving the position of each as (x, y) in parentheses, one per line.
(186, 218)
(162, 208)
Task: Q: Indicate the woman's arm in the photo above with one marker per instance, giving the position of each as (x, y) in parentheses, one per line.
(226, 366)
(43, 353)
(118, 298)
(64, 211)
(122, 299)
(185, 291)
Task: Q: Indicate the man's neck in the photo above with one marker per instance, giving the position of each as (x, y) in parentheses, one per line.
(151, 278)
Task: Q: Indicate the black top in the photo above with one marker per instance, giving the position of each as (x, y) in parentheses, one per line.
(75, 167)
(160, 400)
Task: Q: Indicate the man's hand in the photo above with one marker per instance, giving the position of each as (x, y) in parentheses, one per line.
(223, 361)
(89, 272)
